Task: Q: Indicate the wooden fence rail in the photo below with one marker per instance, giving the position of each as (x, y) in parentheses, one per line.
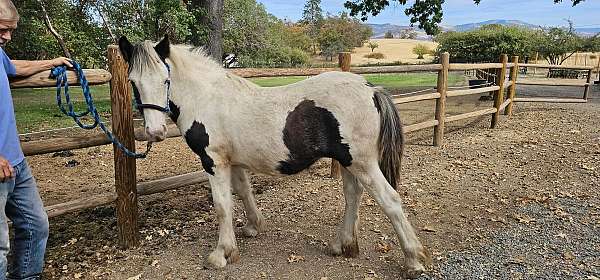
(127, 189)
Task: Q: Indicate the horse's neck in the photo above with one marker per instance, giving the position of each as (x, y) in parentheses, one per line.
(201, 73)
(202, 90)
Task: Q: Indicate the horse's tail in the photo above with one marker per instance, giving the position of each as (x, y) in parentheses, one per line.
(391, 138)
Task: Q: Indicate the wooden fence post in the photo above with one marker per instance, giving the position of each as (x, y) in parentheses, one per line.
(586, 89)
(598, 68)
(440, 103)
(512, 91)
(125, 168)
(536, 62)
(499, 95)
(344, 60)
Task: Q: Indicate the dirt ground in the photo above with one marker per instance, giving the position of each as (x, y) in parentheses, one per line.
(516, 202)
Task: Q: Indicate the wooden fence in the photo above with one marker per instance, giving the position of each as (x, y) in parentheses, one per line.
(126, 185)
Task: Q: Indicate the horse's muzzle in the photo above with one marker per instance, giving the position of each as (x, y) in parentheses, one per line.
(156, 135)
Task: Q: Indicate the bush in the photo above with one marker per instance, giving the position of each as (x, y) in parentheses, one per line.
(375, 55)
(298, 57)
(421, 50)
(488, 43)
(388, 35)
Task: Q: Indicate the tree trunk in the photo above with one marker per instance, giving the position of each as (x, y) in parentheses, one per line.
(48, 23)
(214, 21)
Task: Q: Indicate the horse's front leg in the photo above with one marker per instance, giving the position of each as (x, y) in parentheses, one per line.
(226, 251)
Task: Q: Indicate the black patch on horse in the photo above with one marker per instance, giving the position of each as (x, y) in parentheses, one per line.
(197, 138)
(311, 133)
(174, 115)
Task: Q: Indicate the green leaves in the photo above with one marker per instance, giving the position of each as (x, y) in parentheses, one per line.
(427, 13)
(488, 43)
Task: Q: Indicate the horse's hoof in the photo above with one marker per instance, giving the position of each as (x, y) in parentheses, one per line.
(413, 273)
(234, 256)
(249, 231)
(414, 267)
(217, 260)
(349, 250)
(425, 257)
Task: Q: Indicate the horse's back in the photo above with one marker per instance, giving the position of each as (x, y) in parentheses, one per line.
(327, 115)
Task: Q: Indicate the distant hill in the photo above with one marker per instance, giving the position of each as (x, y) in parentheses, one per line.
(588, 31)
(471, 26)
(380, 29)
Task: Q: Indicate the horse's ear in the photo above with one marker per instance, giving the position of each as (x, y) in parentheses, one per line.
(125, 47)
(162, 49)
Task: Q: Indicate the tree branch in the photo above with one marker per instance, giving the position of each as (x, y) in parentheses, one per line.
(100, 7)
(59, 38)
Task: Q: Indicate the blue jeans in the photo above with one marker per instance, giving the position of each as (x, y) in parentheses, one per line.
(20, 203)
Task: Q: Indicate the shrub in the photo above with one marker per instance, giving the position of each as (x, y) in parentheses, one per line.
(375, 55)
(421, 50)
(488, 43)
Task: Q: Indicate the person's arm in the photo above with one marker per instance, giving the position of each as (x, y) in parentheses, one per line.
(29, 67)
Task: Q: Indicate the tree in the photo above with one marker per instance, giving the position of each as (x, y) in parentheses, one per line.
(312, 17)
(388, 35)
(259, 38)
(373, 45)
(592, 44)
(83, 36)
(488, 43)
(296, 36)
(213, 19)
(342, 33)
(558, 44)
(420, 50)
(428, 13)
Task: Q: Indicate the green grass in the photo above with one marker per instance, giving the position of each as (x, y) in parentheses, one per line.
(36, 109)
(389, 81)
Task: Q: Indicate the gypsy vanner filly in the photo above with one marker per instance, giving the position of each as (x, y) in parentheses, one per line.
(233, 125)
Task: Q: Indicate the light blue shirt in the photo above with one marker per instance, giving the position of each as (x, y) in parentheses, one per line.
(10, 147)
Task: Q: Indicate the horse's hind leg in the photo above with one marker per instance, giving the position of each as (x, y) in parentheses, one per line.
(346, 242)
(242, 187)
(226, 251)
(376, 184)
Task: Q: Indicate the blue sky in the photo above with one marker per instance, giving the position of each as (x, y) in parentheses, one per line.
(538, 12)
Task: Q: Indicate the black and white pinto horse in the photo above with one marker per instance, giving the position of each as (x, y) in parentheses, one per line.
(234, 125)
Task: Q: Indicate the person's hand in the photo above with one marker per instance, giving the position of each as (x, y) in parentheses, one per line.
(6, 170)
(60, 61)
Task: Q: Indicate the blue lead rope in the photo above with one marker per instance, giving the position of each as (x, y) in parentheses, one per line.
(60, 73)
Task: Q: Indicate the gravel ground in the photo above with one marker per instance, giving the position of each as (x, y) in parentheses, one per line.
(516, 202)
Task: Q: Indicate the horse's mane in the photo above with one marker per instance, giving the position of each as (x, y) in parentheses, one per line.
(145, 57)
